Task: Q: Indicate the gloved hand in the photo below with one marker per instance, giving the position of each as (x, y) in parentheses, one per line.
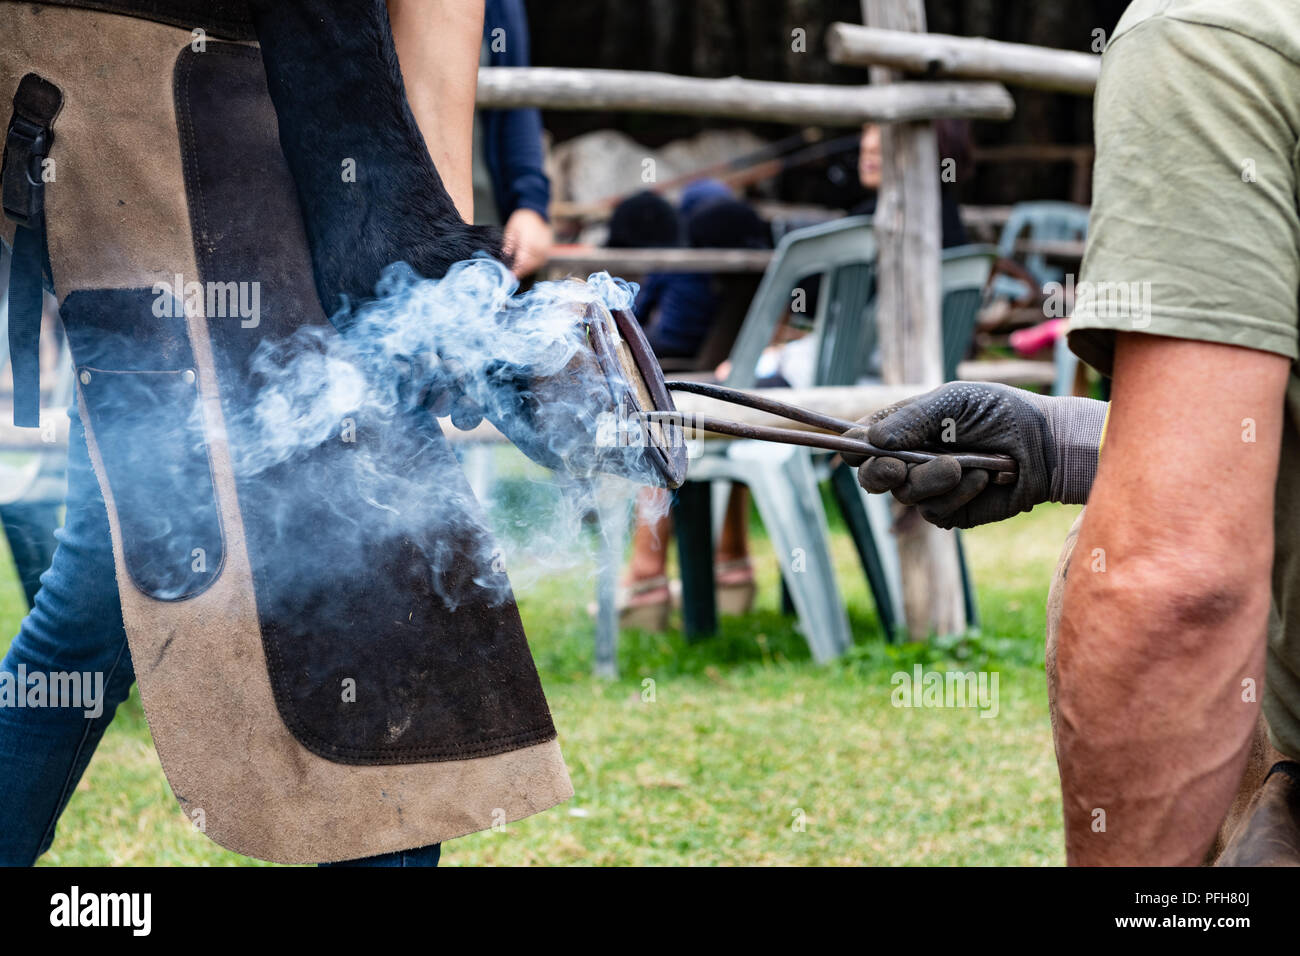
(1053, 440)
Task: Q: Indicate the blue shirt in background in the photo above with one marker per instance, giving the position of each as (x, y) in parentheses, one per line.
(512, 139)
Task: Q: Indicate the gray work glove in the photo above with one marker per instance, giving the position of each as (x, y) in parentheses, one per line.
(1053, 440)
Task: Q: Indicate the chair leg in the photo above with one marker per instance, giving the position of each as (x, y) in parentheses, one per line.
(787, 599)
(693, 526)
(844, 485)
(968, 588)
(1067, 364)
(785, 491)
(478, 462)
(611, 529)
(720, 496)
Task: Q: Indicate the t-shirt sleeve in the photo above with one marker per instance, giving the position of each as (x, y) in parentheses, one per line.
(1194, 231)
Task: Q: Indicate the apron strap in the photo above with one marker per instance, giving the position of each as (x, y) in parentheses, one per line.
(27, 145)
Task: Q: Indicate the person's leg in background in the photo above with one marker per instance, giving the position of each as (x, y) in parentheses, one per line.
(644, 601)
(732, 570)
(646, 598)
(75, 626)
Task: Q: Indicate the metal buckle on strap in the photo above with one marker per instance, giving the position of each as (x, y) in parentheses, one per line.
(27, 145)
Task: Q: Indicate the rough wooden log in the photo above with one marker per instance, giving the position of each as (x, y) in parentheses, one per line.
(638, 262)
(1008, 372)
(582, 260)
(971, 58)
(1059, 250)
(907, 226)
(557, 88)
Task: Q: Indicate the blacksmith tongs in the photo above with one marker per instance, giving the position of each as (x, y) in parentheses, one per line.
(1002, 467)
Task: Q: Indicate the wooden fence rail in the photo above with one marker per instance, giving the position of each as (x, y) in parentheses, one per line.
(970, 58)
(556, 88)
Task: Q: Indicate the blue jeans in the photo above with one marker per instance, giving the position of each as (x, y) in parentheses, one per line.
(76, 626)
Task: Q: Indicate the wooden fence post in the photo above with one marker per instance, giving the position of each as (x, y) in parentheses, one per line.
(907, 224)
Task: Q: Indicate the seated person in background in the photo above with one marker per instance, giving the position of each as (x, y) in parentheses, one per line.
(789, 360)
(678, 310)
(685, 308)
(644, 221)
(956, 152)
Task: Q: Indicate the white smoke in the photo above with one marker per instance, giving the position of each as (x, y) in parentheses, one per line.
(465, 343)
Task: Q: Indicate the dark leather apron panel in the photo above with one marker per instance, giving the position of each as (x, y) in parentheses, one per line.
(219, 18)
(334, 77)
(347, 566)
(140, 394)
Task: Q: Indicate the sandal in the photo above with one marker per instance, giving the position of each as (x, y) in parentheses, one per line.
(642, 605)
(737, 589)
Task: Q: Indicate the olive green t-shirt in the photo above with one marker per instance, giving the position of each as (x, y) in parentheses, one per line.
(1195, 232)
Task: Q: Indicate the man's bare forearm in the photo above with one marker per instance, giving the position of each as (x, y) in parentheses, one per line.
(1160, 659)
(1153, 731)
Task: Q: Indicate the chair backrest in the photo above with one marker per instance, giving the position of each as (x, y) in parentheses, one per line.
(966, 271)
(847, 347)
(847, 326)
(843, 253)
(1042, 220)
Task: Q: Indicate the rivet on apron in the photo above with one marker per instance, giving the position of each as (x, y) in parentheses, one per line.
(85, 377)
(188, 376)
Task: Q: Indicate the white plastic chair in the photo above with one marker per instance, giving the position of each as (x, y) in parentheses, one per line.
(785, 480)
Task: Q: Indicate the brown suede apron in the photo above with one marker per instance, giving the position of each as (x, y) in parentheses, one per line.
(312, 692)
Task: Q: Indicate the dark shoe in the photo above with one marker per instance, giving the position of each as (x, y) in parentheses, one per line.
(1270, 835)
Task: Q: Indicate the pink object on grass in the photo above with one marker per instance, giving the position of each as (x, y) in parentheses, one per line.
(1037, 337)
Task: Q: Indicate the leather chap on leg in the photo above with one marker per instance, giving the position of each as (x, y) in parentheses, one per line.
(324, 673)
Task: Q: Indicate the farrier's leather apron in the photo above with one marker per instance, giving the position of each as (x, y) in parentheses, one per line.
(312, 693)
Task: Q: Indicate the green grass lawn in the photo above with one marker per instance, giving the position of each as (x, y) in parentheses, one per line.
(748, 753)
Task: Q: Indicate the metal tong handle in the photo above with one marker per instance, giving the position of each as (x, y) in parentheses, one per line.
(1003, 467)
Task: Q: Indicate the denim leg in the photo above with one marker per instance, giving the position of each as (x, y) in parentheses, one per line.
(74, 626)
(422, 856)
